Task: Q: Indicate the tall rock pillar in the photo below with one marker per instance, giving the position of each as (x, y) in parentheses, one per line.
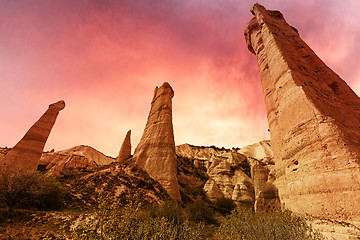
(125, 150)
(314, 121)
(27, 152)
(156, 150)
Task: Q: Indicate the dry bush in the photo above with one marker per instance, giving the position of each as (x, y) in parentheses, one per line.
(114, 221)
(244, 224)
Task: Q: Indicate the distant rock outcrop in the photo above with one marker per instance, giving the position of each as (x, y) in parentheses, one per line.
(314, 122)
(27, 152)
(125, 150)
(72, 161)
(155, 152)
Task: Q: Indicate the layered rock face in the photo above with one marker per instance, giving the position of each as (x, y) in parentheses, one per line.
(125, 150)
(155, 152)
(314, 121)
(239, 174)
(74, 160)
(27, 152)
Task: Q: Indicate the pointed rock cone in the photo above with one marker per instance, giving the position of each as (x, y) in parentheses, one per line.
(314, 122)
(125, 150)
(27, 152)
(156, 150)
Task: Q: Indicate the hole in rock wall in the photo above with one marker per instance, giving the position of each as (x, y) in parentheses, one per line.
(334, 86)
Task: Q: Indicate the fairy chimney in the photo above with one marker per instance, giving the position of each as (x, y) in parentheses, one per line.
(155, 152)
(314, 121)
(27, 152)
(125, 150)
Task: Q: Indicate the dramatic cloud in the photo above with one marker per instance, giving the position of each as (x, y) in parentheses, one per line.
(104, 58)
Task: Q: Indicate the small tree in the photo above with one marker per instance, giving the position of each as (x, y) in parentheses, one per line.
(29, 189)
(14, 186)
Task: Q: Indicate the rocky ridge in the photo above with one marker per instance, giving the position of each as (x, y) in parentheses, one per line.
(73, 161)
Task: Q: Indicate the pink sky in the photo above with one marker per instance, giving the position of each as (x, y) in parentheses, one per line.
(104, 58)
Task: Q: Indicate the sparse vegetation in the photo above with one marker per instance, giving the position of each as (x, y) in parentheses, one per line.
(245, 224)
(113, 221)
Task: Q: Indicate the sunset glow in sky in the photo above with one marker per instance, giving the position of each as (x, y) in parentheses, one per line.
(104, 58)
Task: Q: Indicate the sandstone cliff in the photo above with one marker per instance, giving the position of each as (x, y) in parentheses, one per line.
(27, 152)
(125, 150)
(155, 152)
(314, 121)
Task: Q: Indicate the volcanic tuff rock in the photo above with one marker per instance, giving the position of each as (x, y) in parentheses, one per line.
(232, 173)
(74, 160)
(125, 150)
(27, 152)
(155, 152)
(314, 121)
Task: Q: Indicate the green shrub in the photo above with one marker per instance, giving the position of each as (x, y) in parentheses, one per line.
(244, 224)
(29, 190)
(49, 194)
(225, 205)
(200, 211)
(170, 210)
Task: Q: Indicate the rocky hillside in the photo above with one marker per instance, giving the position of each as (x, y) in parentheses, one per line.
(113, 181)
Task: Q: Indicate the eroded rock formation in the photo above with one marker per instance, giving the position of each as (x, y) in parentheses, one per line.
(27, 152)
(314, 121)
(156, 150)
(125, 150)
(234, 173)
(72, 161)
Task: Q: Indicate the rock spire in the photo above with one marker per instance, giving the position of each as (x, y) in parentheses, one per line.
(27, 152)
(125, 150)
(156, 150)
(314, 121)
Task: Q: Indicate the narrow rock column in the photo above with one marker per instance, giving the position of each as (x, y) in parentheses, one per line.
(156, 150)
(27, 152)
(314, 121)
(259, 174)
(125, 150)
